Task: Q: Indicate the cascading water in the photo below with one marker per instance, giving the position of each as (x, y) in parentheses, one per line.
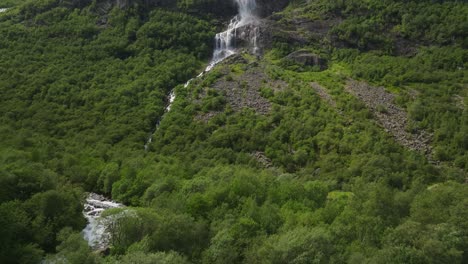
(171, 99)
(95, 231)
(225, 46)
(225, 42)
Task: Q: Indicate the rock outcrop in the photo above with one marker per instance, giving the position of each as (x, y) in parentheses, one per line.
(306, 58)
(267, 7)
(243, 91)
(262, 159)
(391, 117)
(220, 8)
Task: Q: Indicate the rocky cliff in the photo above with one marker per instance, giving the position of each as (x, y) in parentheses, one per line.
(267, 7)
(215, 7)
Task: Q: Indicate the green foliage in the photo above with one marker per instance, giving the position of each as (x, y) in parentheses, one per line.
(382, 24)
(436, 75)
(53, 210)
(152, 232)
(433, 233)
(311, 181)
(300, 245)
(167, 30)
(213, 102)
(108, 176)
(72, 249)
(78, 98)
(16, 236)
(150, 258)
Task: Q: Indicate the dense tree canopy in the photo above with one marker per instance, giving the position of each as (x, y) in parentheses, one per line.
(311, 180)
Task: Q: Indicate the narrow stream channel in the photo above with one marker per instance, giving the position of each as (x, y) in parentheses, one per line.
(225, 46)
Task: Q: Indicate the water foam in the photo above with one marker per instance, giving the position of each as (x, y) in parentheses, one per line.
(225, 42)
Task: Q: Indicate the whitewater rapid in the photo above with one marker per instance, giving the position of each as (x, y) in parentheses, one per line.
(95, 231)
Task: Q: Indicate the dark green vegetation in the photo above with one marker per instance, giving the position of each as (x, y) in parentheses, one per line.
(80, 94)
(78, 99)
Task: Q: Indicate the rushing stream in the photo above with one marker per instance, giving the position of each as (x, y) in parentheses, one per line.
(225, 46)
(95, 231)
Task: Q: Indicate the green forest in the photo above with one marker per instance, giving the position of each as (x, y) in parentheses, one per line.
(315, 178)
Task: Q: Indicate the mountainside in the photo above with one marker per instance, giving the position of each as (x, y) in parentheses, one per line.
(323, 131)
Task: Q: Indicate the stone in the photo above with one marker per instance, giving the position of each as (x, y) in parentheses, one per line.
(307, 58)
(268, 7)
(395, 120)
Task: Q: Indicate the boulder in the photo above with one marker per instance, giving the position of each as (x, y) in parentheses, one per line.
(307, 58)
(268, 7)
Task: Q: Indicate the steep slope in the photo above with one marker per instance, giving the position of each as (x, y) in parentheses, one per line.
(278, 156)
(77, 98)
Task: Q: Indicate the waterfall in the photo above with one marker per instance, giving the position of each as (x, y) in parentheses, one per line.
(225, 42)
(225, 46)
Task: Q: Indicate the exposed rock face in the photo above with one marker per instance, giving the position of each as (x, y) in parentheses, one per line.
(243, 91)
(300, 31)
(127, 3)
(122, 3)
(267, 7)
(103, 7)
(218, 8)
(294, 32)
(222, 8)
(306, 58)
(390, 116)
(228, 7)
(264, 32)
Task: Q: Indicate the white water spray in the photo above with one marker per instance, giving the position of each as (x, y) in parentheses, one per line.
(225, 42)
(95, 231)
